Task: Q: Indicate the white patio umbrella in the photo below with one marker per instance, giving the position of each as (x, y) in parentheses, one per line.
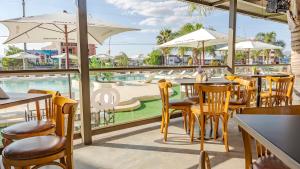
(200, 38)
(58, 27)
(252, 45)
(23, 56)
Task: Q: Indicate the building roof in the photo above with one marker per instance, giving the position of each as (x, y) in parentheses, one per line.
(254, 8)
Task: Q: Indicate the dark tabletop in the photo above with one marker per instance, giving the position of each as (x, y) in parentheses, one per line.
(16, 99)
(265, 75)
(211, 81)
(278, 133)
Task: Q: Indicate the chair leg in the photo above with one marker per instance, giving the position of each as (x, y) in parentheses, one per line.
(162, 122)
(225, 133)
(184, 121)
(192, 127)
(216, 127)
(166, 125)
(70, 162)
(202, 124)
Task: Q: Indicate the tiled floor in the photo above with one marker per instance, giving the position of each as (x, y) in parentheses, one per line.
(142, 148)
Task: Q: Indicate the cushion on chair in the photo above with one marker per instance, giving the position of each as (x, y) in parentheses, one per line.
(269, 162)
(180, 103)
(34, 147)
(27, 129)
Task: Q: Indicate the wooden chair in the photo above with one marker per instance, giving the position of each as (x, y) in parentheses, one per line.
(204, 162)
(40, 151)
(190, 93)
(245, 93)
(182, 105)
(36, 127)
(278, 95)
(265, 159)
(215, 107)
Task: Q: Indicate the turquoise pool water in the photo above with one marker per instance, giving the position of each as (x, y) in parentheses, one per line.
(24, 84)
(58, 83)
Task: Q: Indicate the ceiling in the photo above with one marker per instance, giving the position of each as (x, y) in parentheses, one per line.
(254, 8)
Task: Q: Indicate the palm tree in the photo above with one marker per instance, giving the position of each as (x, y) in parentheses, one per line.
(270, 37)
(164, 36)
(185, 29)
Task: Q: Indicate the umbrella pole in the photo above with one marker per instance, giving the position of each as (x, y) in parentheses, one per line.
(68, 60)
(24, 66)
(203, 53)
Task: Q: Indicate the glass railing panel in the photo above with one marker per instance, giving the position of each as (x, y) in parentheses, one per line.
(23, 83)
(138, 93)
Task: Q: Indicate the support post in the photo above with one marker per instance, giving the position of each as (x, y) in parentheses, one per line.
(24, 14)
(232, 35)
(82, 31)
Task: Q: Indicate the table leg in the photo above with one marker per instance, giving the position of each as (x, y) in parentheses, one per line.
(258, 91)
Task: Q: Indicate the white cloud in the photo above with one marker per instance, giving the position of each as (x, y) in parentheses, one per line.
(149, 31)
(156, 12)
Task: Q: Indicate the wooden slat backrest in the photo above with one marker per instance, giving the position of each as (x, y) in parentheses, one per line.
(164, 93)
(246, 90)
(189, 90)
(282, 86)
(48, 104)
(217, 98)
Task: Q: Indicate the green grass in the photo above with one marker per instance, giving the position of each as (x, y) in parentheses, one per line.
(148, 109)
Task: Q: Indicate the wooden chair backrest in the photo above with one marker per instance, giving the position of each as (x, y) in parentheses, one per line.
(230, 77)
(48, 104)
(291, 88)
(204, 162)
(65, 106)
(246, 90)
(280, 110)
(164, 86)
(282, 87)
(189, 90)
(217, 98)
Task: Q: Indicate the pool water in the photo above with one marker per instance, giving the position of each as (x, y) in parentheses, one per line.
(22, 85)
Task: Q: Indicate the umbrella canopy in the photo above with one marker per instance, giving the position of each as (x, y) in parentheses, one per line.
(22, 55)
(54, 27)
(252, 45)
(102, 56)
(64, 56)
(195, 39)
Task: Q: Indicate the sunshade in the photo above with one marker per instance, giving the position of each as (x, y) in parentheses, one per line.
(64, 56)
(252, 45)
(22, 55)
(52, 28)
(200, 38)
(195, 39)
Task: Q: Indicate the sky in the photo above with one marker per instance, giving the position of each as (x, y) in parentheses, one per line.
(150, 16)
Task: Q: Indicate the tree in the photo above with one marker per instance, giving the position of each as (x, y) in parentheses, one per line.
(122, 59)
(185, 29)
(164, 36)
(154, 58)
(271, 38)
(14, 64)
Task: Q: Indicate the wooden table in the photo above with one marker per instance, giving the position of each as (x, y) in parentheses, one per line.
(259, 82)
(16, 99)
(278, 133)
(211, 81)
